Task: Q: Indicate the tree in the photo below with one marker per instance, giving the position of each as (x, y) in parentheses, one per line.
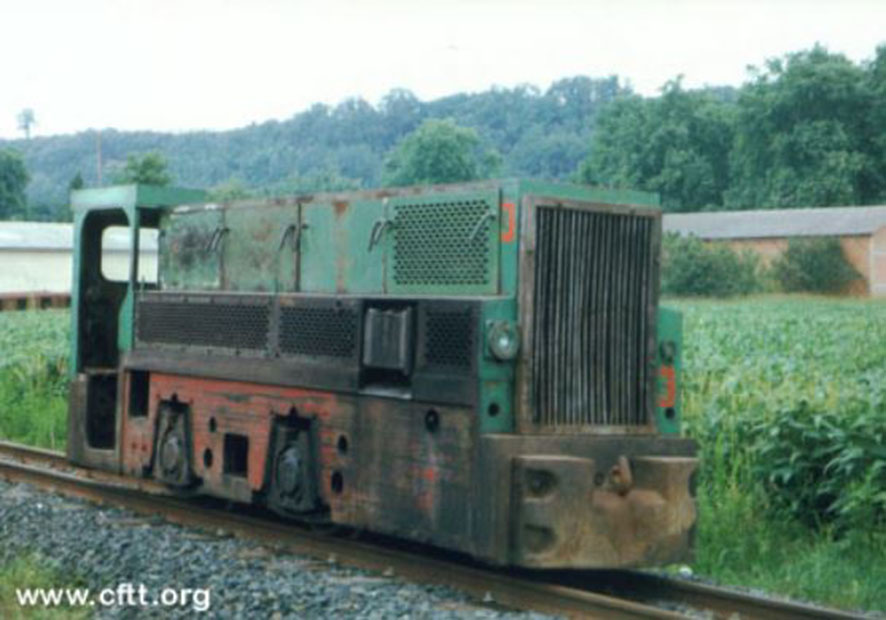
(326, 180)
(149, 168)
(875, 81)
(76, 182)
(401, 113)
(677, 144)
(13, 179)
(439, 151)
(26, 119)
(550, 154)
(230, 190)
(804, 135)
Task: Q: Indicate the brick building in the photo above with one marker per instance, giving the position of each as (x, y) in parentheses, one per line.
(861, 231)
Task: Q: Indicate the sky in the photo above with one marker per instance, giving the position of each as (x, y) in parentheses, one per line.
(178, 65)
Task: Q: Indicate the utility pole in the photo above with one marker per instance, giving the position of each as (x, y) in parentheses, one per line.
(98, 155)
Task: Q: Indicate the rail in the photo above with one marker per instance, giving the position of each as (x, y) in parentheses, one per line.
(607, 594)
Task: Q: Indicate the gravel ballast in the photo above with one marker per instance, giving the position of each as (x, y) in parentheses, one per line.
(103, 547)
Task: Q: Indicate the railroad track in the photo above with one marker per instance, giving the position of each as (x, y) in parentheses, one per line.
(607, 594)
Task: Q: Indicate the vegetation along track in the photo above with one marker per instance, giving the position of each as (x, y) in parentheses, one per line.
(609, 594)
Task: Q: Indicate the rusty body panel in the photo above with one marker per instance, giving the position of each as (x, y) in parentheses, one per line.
(419, 471)
(420, 489)
(585, 501)
(218, 409)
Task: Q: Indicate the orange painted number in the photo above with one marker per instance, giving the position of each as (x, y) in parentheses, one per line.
(508, 235)
(669, 398)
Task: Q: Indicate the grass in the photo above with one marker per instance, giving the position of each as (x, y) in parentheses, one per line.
(756, 370)
(33, 377)
(32, 571)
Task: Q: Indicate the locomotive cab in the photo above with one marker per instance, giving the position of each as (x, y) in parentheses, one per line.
(102, 302)
(481, 367)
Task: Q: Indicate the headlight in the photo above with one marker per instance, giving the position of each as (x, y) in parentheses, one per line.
(503, 340)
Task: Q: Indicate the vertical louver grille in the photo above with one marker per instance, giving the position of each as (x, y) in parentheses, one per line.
(594, 285)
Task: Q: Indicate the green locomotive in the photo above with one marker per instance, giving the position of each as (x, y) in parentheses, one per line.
(482, 367)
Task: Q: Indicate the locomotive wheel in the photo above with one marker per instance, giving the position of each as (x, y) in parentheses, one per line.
(292, 481)
(172, 456)
(288, 472)
(173, 465)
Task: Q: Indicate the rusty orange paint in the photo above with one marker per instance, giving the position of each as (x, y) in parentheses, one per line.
(237, 407)
(669, 398)
(507, 236)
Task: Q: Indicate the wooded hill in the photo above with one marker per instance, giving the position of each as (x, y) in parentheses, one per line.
(536, 133)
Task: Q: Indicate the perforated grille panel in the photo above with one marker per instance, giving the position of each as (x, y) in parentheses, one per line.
(449, 336)
(201, 324)
(595, 280)
(443, 243)
(318, 331)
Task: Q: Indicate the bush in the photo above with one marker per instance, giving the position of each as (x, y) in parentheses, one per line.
(692, 268)
(826, 467)
(814, 265)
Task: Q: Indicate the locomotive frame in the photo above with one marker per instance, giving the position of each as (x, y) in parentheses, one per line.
(482, 367)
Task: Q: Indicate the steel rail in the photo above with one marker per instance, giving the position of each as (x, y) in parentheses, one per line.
(580, 594)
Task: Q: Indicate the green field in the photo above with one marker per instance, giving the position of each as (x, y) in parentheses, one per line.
(786, 397)
(33, 381)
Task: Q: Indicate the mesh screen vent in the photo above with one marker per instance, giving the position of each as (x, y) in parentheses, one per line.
(228, 326)
(330, 332)
(439, 243)
(449, 338)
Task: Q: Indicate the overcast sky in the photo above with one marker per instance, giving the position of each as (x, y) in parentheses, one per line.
(217, 64)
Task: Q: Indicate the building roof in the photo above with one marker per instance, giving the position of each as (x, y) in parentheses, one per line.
(60, 237)
(768, 223)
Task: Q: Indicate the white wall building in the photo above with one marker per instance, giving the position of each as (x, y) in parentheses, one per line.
(38, 257)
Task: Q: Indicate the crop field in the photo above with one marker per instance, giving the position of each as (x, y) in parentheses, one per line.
(786, 397)
(33, 376)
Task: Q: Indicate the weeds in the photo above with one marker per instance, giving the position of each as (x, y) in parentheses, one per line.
(32, 571)
(786, 399)
(33, 377)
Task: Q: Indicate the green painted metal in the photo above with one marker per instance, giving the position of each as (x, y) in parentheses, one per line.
(669, 330)
(132, 201)
(335, 255)
(260, 249)
(191, 249)
(128, 197)
(568, 191)
(496, 411)
(509, 238)
(443, 243)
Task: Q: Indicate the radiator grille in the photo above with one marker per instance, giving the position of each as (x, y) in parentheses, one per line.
(218, 325)
(591, 327)
(318, 331)
(449, 338)
(442, 243)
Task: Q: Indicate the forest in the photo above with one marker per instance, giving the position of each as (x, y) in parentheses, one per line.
(807, 129)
